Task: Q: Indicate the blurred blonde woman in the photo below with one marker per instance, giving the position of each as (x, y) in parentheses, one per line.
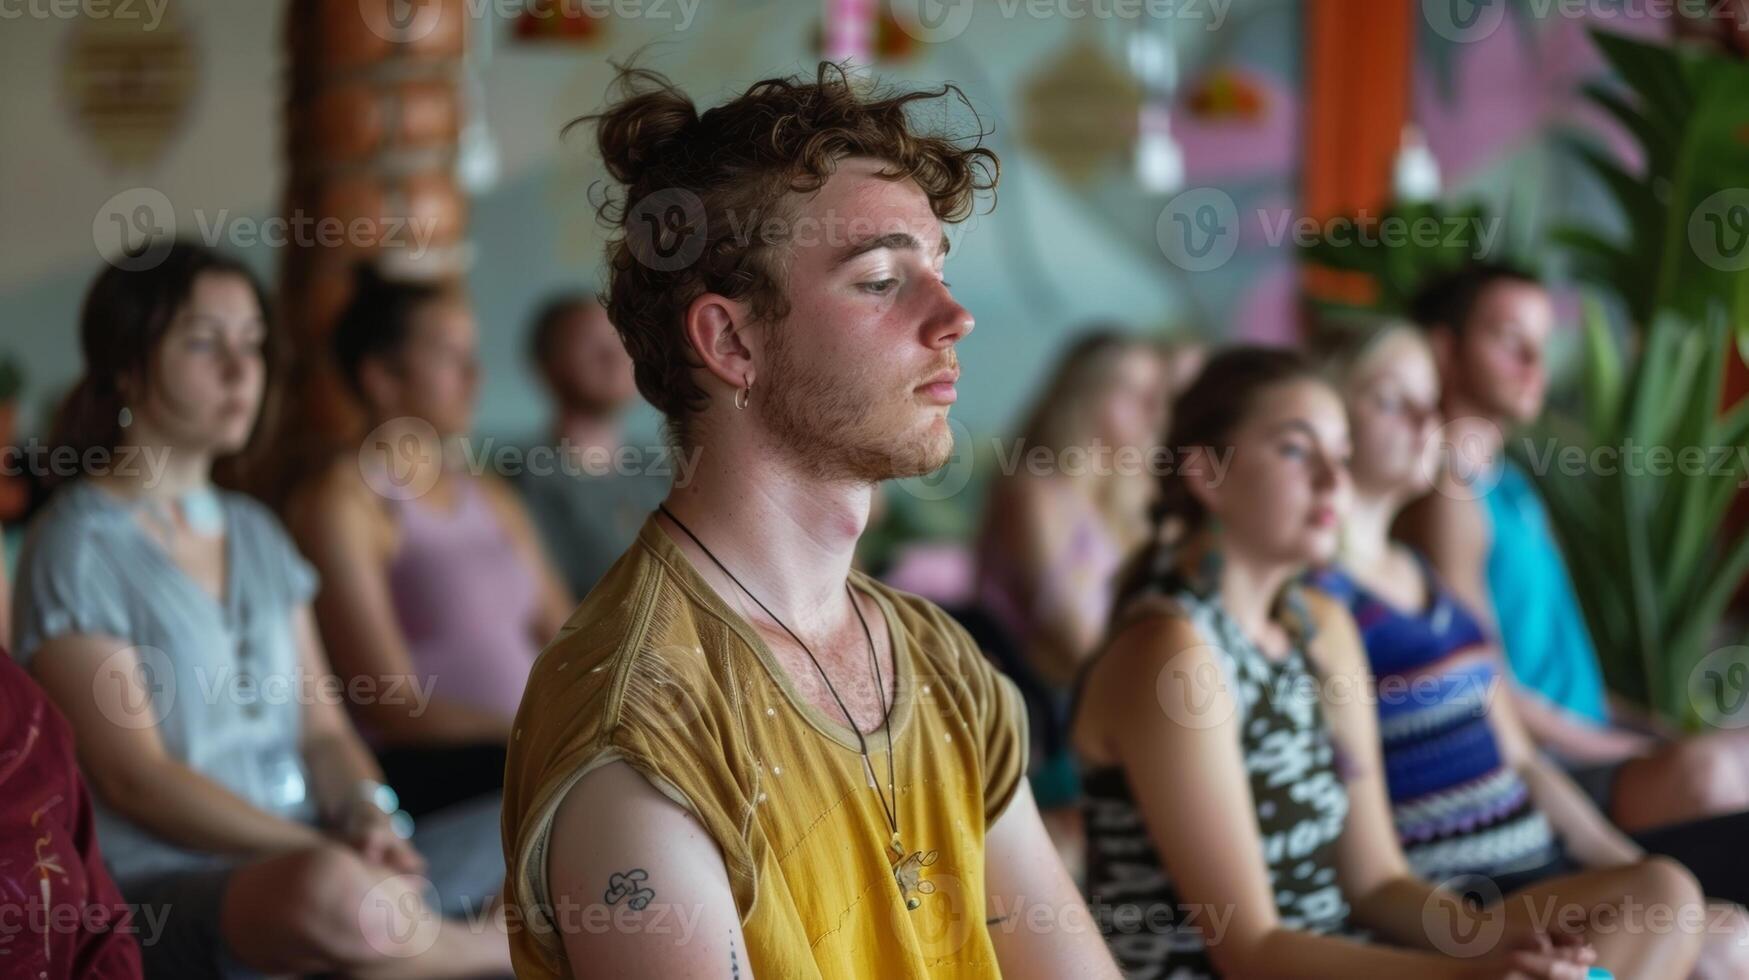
(1070, 503)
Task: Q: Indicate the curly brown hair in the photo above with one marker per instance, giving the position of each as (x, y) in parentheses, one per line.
(698, 194)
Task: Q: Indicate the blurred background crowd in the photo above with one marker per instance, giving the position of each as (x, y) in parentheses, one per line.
(337, 253)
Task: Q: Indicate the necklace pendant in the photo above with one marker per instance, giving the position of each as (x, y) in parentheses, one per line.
(908, 872)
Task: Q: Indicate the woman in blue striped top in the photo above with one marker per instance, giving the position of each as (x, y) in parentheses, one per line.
(1473, 802)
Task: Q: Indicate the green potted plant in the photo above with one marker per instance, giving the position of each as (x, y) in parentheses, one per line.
(1686, 246)
(1641, 531)
(1644, 543)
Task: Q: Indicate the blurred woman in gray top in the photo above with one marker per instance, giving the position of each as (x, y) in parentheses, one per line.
(170, 622)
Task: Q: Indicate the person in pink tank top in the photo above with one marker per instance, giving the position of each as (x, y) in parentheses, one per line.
(437, 595)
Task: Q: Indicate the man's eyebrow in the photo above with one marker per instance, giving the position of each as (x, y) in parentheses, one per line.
(895, 239)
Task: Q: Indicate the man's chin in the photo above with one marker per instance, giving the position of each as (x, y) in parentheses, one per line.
(927, 452)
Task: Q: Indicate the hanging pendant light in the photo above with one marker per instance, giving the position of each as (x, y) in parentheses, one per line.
(1159, 159)
(1415, 176)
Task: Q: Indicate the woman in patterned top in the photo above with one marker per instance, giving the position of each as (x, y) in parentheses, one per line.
(1470, 795)
(1237, 818)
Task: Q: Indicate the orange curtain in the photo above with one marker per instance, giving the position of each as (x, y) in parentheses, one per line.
(1358, 58)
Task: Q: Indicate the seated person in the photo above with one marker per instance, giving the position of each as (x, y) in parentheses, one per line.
(1471, 795)
(1487, 533)
(71, 923)
(170, 622)
(737, 728)
(435, 584)
(1053, 537)
(590, 501)
(1231, 769)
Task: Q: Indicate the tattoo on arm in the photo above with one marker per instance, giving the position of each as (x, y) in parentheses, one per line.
(999, 919)
(629, 885)
(734, 964)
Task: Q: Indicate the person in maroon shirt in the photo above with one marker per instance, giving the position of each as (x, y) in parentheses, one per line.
(61, 917)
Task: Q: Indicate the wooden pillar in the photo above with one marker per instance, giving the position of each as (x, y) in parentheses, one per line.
(373, 114)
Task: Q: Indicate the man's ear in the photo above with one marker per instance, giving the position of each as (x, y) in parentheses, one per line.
(716, 330)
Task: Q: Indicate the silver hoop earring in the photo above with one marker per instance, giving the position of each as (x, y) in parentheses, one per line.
(744, 396)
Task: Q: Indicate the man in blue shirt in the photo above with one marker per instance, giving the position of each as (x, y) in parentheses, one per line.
(1488, 533)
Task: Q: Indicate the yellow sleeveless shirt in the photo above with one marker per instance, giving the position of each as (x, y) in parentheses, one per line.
(655, 670)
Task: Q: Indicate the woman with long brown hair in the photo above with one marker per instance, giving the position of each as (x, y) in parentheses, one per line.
(170, 621)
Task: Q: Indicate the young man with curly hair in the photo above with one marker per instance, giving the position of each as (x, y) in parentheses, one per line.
(742, 757)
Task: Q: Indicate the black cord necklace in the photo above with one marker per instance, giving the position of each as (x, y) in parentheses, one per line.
(906, 870)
